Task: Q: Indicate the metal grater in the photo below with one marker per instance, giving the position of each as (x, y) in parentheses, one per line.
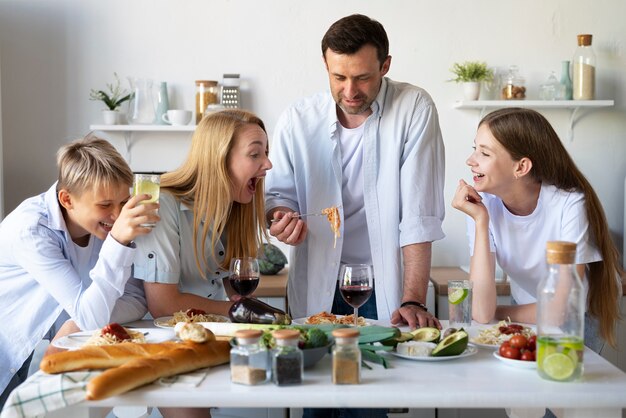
(230, 91)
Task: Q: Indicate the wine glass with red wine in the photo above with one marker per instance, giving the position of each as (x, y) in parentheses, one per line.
(244, 275)
(356, 282)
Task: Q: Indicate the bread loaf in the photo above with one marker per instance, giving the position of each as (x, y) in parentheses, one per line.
(183, 358)
(100, 357)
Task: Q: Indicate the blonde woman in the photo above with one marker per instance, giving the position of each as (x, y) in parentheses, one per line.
(527, 191)
(212, 209)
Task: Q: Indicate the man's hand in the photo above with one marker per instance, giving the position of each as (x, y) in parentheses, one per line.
(415, 317)
(287, 227)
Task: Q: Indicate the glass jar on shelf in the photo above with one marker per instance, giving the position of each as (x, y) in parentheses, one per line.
(552, 89)
(584, 69)
(207, 92)
(513, 85)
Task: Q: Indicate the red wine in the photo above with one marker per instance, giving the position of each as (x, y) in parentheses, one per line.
(356, 296)
(244, 285)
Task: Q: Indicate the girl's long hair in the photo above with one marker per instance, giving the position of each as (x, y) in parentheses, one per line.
(203, 183)
(526, 133)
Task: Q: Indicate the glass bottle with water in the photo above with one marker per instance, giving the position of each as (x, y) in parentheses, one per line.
(560, 316)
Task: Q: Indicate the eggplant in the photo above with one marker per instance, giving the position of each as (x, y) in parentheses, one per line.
(253, 311)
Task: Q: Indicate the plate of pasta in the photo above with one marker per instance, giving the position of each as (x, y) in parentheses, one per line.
(101, 337)
(190, 315)
(329, 318)
(493, 336)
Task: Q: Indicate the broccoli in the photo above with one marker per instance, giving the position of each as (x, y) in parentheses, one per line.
(315, 337)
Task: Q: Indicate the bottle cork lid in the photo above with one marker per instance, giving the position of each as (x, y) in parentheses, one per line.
(209, 83)
(560, 252)
(345, 333)
(584, 39)
(286, 334)
(248, 333)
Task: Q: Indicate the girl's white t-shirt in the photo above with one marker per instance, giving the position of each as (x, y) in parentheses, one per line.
(519, 242)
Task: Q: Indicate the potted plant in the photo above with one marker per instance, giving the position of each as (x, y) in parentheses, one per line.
(471, 74)
(112, 99)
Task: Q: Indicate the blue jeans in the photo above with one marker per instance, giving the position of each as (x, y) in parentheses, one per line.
(17, 379)
(368, 310)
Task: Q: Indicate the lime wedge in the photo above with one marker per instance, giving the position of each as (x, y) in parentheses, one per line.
(558, 366)
(457, 296)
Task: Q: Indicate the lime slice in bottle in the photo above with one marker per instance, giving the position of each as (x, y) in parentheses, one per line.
(457, 296)
(558, 366)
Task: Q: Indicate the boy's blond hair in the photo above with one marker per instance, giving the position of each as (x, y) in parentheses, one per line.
(89, 164)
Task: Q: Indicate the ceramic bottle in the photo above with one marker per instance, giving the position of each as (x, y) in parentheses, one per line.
(162, 104)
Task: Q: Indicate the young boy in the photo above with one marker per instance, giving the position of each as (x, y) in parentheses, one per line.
(66, 256)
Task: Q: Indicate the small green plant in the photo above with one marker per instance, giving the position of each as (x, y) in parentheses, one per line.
(114, 98)
(471, 71)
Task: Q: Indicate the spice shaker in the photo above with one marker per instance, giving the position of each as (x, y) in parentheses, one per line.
(287, 362)
(207, 92)
(346, 357)
(249, 360)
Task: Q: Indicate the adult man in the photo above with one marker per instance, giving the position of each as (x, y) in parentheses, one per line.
(373, 147)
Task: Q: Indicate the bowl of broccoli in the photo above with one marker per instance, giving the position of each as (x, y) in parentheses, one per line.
(314, 343)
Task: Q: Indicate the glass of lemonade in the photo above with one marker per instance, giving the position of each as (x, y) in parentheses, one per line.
(460, 303)
(149, 184)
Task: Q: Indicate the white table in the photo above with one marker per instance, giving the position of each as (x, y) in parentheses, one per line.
(478, 381)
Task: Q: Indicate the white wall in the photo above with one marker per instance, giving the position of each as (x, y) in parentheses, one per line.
(54, 52)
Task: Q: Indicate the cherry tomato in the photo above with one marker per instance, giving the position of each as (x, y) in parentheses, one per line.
(510, 352)
(518, 341)
(528, 355)
(516, 327)
(532, 343)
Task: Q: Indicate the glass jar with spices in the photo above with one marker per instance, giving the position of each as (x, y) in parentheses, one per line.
(346, 357)
(513, 86)
(249, 360)
(287, 366)
(207, 92)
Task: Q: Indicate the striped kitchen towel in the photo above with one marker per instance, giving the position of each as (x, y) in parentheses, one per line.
(42, 393)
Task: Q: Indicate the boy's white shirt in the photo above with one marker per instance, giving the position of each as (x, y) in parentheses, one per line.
(42, 281)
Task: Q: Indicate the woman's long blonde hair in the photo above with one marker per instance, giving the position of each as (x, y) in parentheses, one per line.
(526, 133)
(203, 183)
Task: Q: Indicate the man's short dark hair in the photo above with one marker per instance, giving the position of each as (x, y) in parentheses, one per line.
(351, 33)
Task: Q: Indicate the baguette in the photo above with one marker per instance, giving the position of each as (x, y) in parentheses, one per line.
(100, 357)
(185, 357)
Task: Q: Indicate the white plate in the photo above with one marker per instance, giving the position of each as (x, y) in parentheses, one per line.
(78, 339)
(516, 363)
(474, 331)
(162, 322)
(302, 321)
(469, 351)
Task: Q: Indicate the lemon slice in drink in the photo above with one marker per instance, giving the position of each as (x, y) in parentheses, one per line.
(457, 296)
(558, 366)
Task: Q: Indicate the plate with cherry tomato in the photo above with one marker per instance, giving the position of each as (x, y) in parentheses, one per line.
(519, 351)
(493, 336)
